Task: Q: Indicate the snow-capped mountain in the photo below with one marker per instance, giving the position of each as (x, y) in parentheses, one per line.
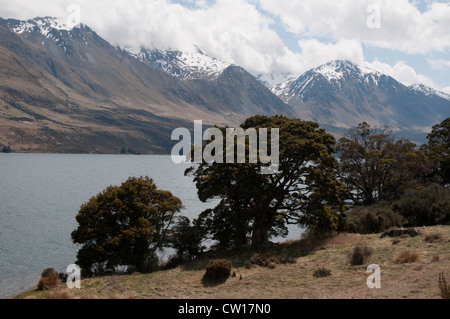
(82, 94)
(277, 82)
(343, 94)
(334, 74)
(428, 91)
(185, 65)
(44, 25)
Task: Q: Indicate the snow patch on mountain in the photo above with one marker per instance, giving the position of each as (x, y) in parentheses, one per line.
(43, 25)
(186, 65)
(429, 91)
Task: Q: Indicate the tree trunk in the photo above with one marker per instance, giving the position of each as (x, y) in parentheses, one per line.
(261, 228)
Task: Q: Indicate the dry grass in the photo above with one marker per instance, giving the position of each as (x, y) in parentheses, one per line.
(63, 294)
(432, 238)
(406, 256)
(294, 280)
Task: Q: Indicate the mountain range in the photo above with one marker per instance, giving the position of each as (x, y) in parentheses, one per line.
(67, 90)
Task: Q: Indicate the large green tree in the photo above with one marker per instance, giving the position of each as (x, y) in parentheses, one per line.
(124, 226)
(375, 167)
(438, 150)
(253, 205)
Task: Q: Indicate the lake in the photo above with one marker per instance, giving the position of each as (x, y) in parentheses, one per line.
(40, 195)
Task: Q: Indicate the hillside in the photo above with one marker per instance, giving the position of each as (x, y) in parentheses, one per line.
(70, 91)
(294, 279)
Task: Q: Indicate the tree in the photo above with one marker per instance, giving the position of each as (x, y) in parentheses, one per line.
(304, 191)
(428, 206)
(124, 226)
(375, 167)
(438, 150)
(186, 239)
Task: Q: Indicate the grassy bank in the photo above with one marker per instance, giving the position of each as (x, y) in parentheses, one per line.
(293, 276)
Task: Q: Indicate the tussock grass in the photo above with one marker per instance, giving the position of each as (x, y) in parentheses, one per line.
(322, 272)
(406, 256)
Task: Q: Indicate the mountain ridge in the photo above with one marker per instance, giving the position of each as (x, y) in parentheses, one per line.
(80, 87)
(343, 94)
(59, 83)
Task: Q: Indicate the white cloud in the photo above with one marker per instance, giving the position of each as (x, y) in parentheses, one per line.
(237, 31)
(439, 64)
(446, 90)
(403, 26)
(232, 30)
(315, 52)
(402, 72)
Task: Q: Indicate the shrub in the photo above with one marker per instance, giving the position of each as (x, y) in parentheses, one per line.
(49, 279)
(372, 219)
(47, 272)
(264, 260)
(322, 272)
(218, 269)
(259, 259)
(444, 287)
(272, 260)
(248, 265)
(271, 265)
(406, 256)
(6, 149)
(425, 207)
(359, 255)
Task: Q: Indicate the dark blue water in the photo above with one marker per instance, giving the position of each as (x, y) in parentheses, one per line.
(40, 195)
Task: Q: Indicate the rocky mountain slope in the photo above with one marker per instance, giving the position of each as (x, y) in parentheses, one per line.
(342, 94)
(69, 90)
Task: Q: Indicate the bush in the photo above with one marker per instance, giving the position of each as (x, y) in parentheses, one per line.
(444, 287)
(406, 256)
(49, 279)
(6, 149)
(425, 207)
(264, 260)
(359, 255)
(322, 272)
(218, 269)
(259, 259)
(372, 219)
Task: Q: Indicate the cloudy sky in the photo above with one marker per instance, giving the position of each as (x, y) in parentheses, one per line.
(409, 40)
